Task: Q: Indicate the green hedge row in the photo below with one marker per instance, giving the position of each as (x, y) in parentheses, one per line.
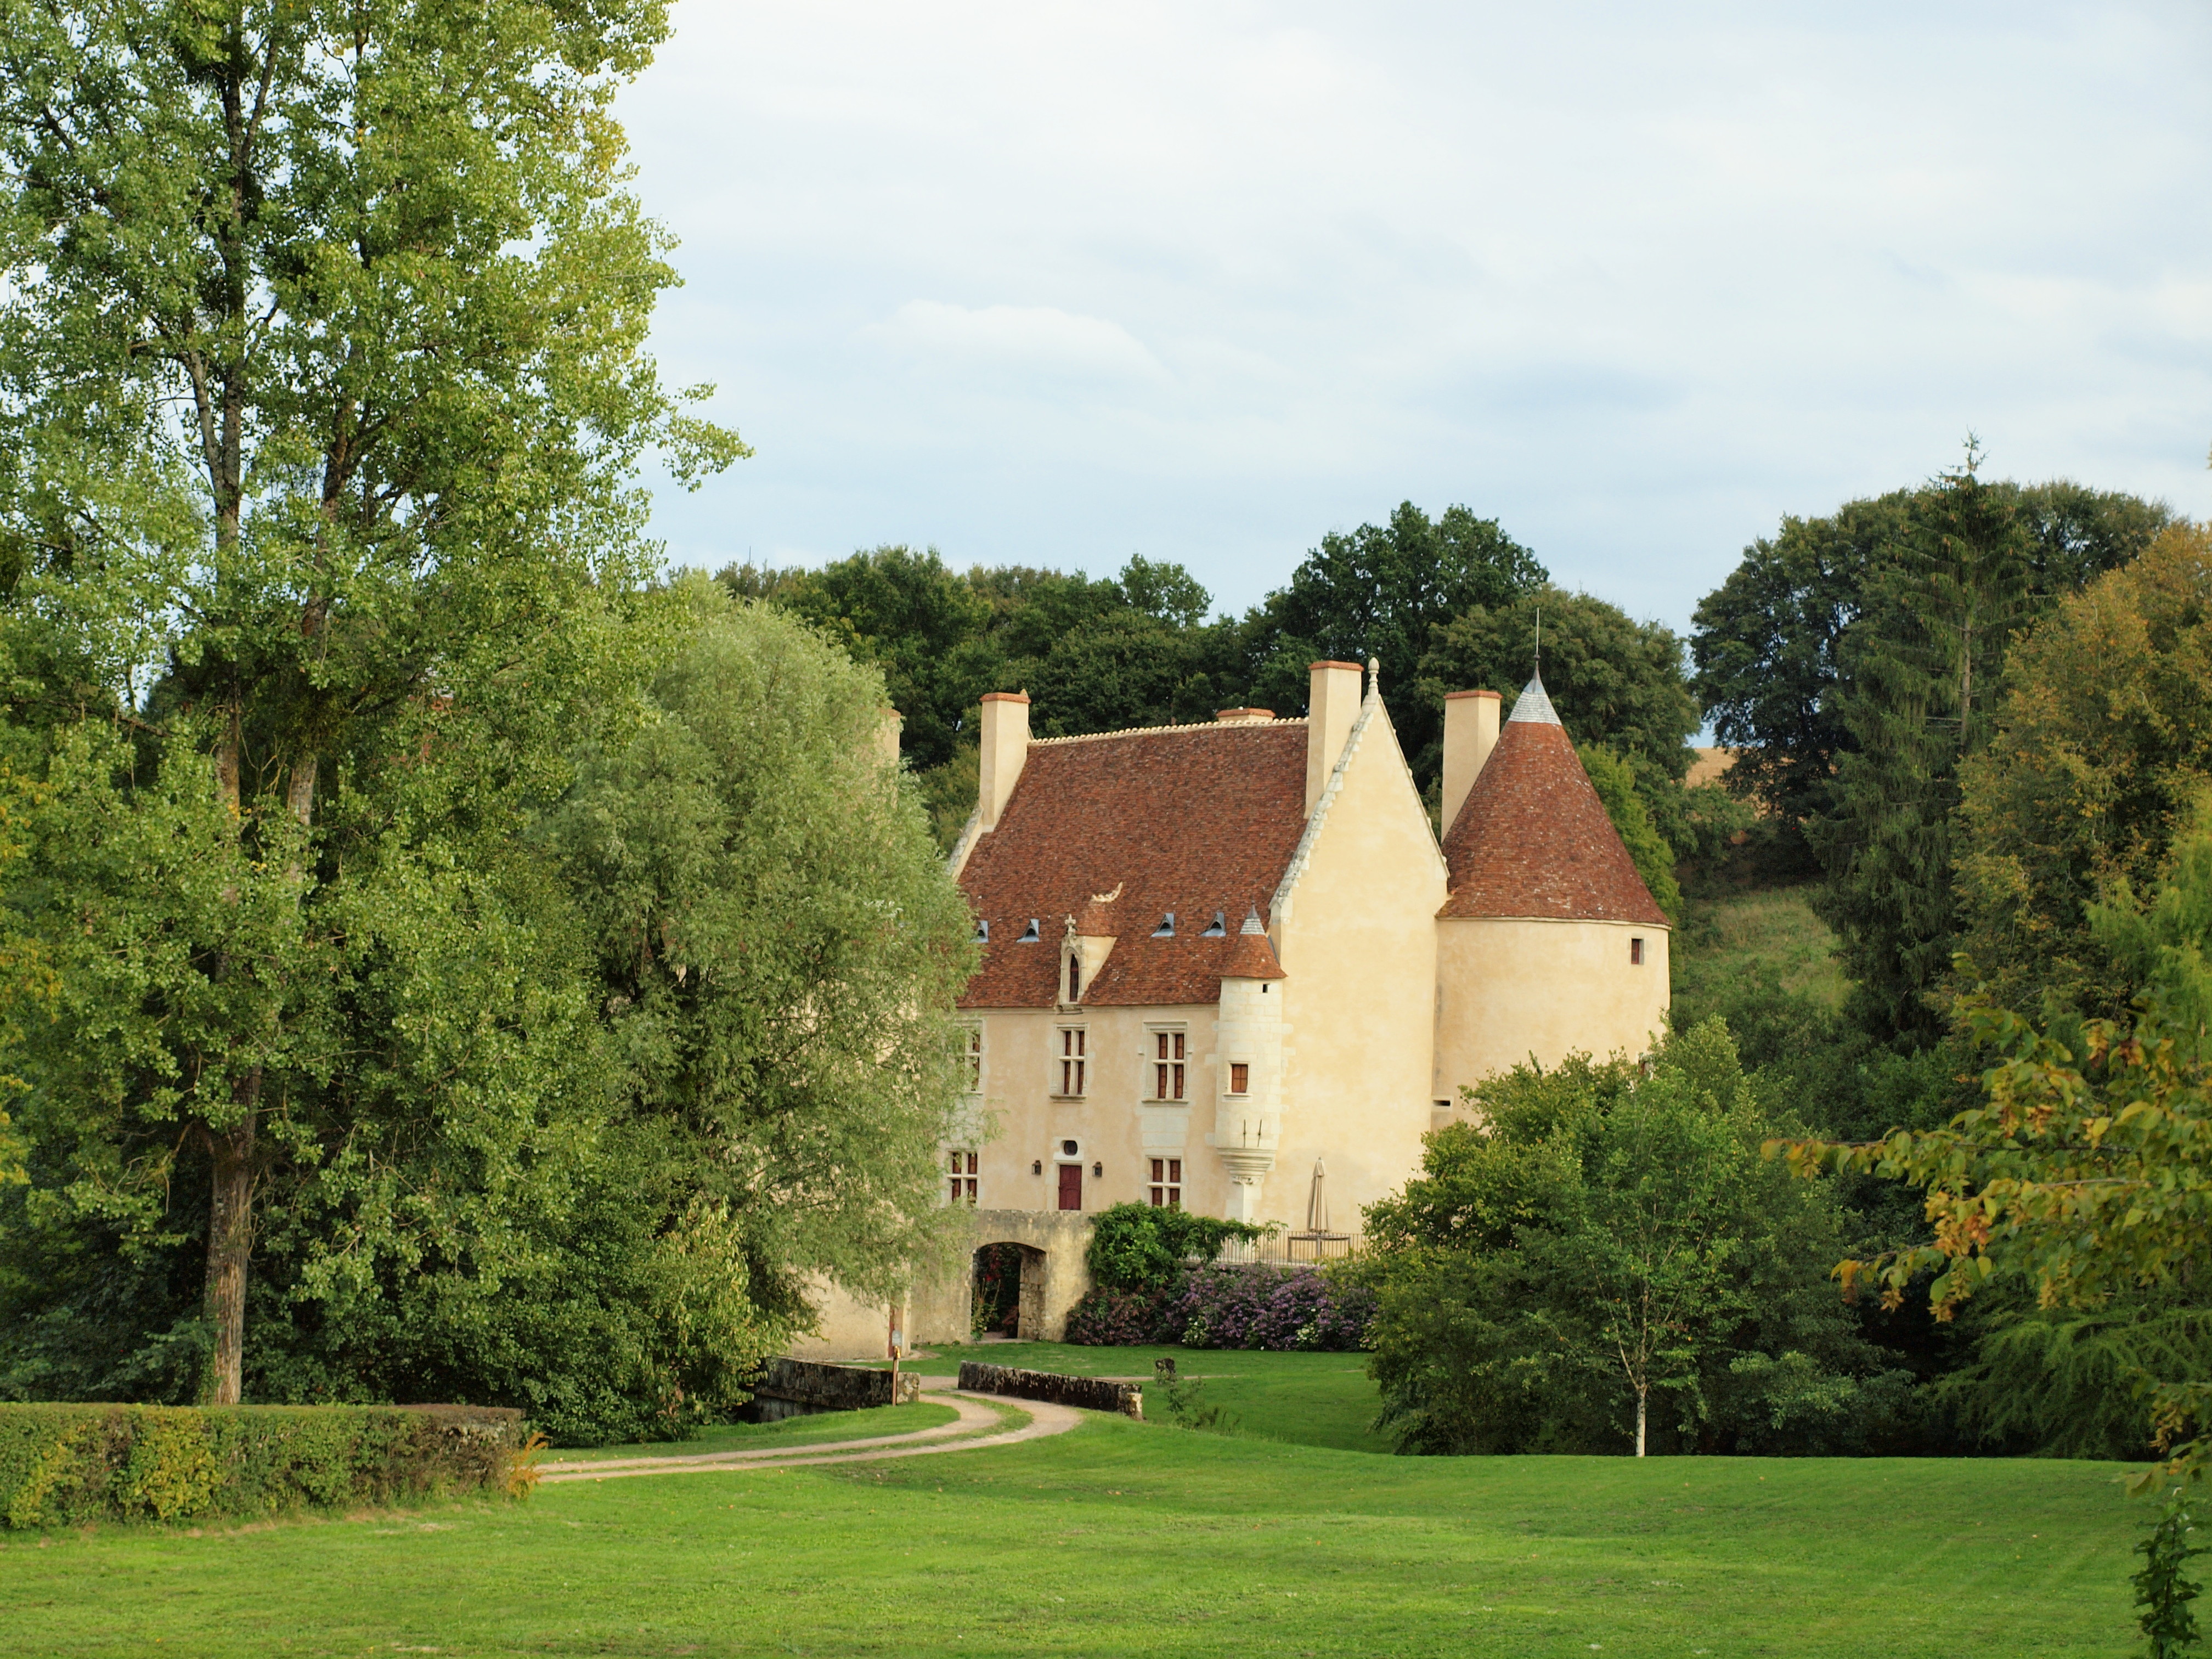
(62, 1464)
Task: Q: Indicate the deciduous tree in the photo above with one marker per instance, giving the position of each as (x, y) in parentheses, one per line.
(322, 363)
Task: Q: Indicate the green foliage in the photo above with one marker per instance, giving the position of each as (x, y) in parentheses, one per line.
(1381, 591)
(2105, 743)
(1924, 677)
(2068, 1380)
(63, 1466)
(1614, 681)
(1604, 1257)
(2085, 1168)
(2163, 1589)
(323, 360)
(1770, 670)
(1144, 1247)
(778, 947)
(1615, 783)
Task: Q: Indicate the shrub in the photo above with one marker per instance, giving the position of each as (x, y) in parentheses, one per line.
(1143, 1247)
(1261, 1306)
(62, 1464)
(1119, 1319)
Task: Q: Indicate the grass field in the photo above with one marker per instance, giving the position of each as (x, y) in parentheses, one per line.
(1723, 936)
(1125, 1538)
(1312, 1399)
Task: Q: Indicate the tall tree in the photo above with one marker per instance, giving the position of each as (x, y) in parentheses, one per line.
(1925, 669)
(2104, 743)
(322, 356)
(1603, 1261)
(1380, 590)
(1767, 644)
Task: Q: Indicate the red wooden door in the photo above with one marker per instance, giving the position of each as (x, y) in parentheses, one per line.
(1070, 1185)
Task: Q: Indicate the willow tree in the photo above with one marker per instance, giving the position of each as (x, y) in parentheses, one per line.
(323, 387)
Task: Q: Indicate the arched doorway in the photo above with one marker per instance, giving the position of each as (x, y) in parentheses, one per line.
(1007, 1291)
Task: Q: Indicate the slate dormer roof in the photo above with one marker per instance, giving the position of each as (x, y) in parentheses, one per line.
(1533, 840)
(1192, 819)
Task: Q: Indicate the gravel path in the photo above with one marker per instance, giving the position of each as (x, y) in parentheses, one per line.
(1044, 1418)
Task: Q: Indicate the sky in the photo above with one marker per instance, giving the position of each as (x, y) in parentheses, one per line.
(1055, 284)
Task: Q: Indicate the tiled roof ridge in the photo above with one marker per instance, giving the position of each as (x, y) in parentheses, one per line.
(1149, 731)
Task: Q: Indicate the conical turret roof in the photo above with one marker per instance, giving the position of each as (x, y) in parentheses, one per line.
(1532, 839)
(1253, 956)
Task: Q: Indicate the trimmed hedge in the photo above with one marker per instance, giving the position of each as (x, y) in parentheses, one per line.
(62, 1464)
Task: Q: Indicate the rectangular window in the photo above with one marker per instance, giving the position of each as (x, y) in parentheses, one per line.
(1074, 978)
(1167, 1183)
(964, 1177)
(972, 1061)
(1240, 1077)
(1071, 1062)
(1167, 1065)
(1635, 953)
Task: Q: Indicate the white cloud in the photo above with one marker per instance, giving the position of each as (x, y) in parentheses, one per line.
(1039, 340)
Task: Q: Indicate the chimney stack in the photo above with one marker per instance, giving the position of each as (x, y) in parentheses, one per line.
(1470, 734)
(1005, 748)
(1332, 706)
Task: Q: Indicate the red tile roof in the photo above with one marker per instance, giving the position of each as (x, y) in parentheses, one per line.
(1532, 839)
(1255, 956)
(1189, 819)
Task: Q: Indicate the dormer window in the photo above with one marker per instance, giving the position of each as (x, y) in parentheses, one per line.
(982, 931)
(1166, 929)
(1217, 928)
(1029, 934)
(1074, 977)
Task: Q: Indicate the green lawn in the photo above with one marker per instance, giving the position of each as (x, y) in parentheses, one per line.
(1314, 1399)
(1124, 1538)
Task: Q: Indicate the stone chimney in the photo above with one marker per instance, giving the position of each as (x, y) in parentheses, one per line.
(1332, 706)
(887, 736)
(1470, 734)
(1243, 716)
(1005, 735)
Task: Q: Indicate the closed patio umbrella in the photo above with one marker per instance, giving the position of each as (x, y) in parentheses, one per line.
(1317, 1202)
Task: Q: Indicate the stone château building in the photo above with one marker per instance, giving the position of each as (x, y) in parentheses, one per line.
(1220, 959)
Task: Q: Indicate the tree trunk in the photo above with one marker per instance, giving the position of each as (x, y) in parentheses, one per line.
(1643, 1397)
(230, 1243)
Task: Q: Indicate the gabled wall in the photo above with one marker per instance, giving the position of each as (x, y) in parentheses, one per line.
(1354, 927)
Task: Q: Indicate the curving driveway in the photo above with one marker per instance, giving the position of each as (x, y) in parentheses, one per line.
(960, 1435)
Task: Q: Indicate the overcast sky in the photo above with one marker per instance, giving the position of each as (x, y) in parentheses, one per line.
(1057, 283)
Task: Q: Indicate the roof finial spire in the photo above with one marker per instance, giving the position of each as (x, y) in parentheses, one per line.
(1374, 677)
(1539, 669)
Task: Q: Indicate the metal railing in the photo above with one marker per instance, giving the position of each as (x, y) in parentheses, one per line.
(1290, 1249)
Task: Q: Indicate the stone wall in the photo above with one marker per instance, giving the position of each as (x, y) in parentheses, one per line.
(1091, 1393)
(795, 1388)
(1055, 1275)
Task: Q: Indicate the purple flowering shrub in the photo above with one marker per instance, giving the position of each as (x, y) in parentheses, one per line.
(1118, 1319)
(1255, 1306)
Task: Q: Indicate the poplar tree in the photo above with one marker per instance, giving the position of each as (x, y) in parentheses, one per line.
(322, 385)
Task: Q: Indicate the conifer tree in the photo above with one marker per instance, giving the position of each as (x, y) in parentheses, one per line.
(1925, 671)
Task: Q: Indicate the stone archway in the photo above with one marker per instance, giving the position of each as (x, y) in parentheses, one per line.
(1053, 1275)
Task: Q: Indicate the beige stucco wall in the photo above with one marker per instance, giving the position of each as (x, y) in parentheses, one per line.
(1356, 934)
(1508, 989)
(850, 1329)
(1110, 1123)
